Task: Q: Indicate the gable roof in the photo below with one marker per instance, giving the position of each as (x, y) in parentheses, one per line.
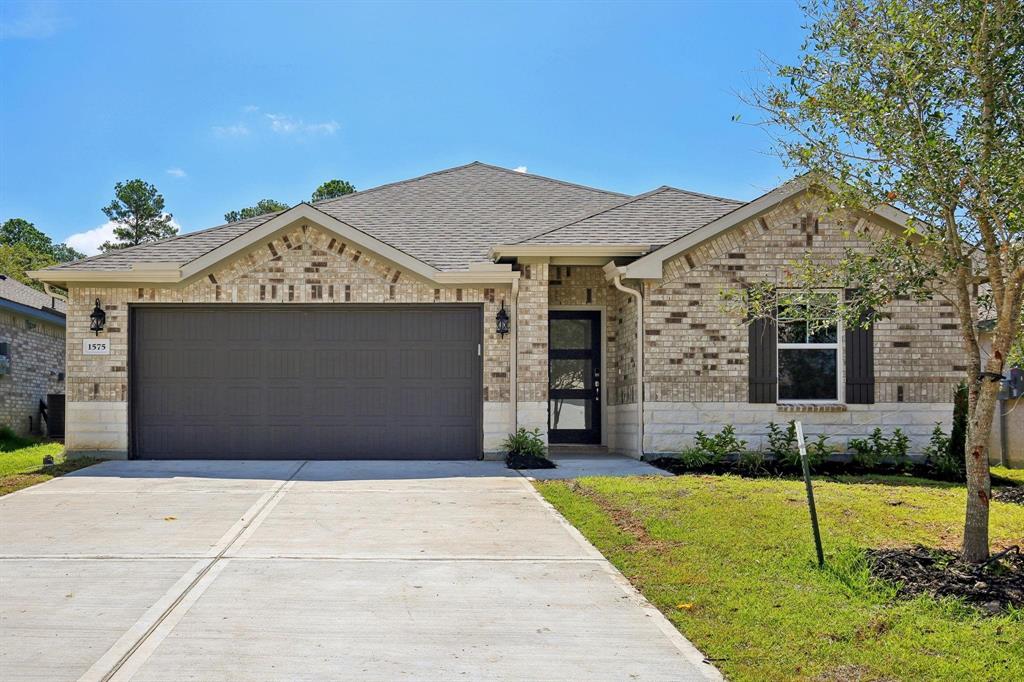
(654, 218)
(24, 299)
(447, 219)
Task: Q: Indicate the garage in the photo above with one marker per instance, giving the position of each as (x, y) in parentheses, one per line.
(301, 381)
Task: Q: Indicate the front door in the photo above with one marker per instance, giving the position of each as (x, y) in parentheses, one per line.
(574, 376)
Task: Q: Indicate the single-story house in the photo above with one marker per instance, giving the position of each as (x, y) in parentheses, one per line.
(373, 325)
(31, 354)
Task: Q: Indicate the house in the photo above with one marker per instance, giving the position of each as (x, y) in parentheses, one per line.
(370, 326)
(31, 353)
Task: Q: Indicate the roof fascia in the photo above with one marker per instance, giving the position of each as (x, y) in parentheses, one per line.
(568, 250)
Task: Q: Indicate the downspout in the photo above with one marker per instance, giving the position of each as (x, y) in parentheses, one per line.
(617, 281)
(513, 360)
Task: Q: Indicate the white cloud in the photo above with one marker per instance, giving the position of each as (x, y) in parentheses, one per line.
(236, 130)
(520, 169)
(89, 242)
(283, 124)
(177, 172)
(39, 20)
(250, 108)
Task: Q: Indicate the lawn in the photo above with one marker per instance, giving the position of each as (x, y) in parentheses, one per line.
(730, 561)
(21, 462)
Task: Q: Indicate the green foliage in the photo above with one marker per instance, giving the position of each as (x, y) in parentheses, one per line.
(333, 189)
(876, 448)
(958, 436)
(713, 449)
(138, 212)
(783, 445)
(818, 450)
(524, 442)
(751, 462)
(939, 457)
(262, 207)
(23, 247)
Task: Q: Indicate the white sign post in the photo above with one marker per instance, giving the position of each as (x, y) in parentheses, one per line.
(810, 492)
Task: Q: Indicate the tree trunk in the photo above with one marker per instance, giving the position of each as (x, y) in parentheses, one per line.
(979, 484)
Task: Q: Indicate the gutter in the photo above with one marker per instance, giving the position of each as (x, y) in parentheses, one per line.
(615, 273)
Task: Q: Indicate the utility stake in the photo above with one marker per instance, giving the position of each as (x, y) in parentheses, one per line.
(810, 493)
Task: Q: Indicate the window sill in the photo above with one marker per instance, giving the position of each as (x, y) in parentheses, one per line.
(811, 407)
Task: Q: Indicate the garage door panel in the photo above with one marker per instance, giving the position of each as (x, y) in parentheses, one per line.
(306, 381)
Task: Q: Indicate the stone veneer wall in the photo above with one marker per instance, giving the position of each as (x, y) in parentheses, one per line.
(37, 361)
(696, 352)
(303, 265)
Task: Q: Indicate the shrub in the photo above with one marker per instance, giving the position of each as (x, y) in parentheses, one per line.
(958, 436)
(751, 462)
(939, 456)
(876, 448)
(783, 445)
(712, 449)
(818, 450)
(524, 442)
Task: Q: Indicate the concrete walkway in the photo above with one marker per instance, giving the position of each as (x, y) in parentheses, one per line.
(314, 570)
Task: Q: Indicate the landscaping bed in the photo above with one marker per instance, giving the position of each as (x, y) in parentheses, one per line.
(994, 586)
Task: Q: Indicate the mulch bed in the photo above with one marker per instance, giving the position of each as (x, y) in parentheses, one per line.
(772, 469)
(992, 586)
(1012, 495)
(518, 461)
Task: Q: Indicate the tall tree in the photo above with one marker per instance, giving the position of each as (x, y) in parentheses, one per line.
(263, 206)
(920, 103)
(138, 213)
(24, 247)
(333, 189)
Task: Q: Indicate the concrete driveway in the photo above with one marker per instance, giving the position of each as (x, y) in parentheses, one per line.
(314, 570)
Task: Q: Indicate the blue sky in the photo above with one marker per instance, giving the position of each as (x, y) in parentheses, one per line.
(222, 104)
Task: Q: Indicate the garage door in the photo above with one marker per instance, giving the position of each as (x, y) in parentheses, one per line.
(306, 382)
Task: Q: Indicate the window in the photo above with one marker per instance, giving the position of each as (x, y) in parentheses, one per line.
(809, 351)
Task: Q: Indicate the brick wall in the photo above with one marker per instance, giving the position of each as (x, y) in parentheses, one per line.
(696, 349)
(304, 265)
(37, 361)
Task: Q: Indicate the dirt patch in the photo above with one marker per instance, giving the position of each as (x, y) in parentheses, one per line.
(1011, 495)
(518, 461)
(992, 586)
(624, 520)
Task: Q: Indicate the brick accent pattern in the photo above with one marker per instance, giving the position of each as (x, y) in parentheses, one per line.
(304, 265)
(37, 361)
(696, 350)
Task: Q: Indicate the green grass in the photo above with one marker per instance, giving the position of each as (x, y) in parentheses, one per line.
(730, 561)
(21, 462)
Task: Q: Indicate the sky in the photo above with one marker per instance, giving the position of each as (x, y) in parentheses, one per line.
(221, 104)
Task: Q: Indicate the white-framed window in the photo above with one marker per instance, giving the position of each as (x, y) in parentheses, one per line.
(810, 350)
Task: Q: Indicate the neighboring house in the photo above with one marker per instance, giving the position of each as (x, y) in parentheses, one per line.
(367, 327)
(31, 353)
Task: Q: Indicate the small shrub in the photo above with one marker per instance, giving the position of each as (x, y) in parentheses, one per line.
(524, 442)
(751, 462)
(818, 450)
(958, 434)
(939, 456)
(695, 457)
(876, 448)
(782, 444)
(707, 450)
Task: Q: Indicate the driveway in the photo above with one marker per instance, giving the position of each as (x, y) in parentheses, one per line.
(314, 570)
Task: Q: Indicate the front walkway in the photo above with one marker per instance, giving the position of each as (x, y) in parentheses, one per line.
(314, 570)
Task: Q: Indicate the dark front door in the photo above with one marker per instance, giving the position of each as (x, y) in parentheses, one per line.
(574, 376)
(306, 381)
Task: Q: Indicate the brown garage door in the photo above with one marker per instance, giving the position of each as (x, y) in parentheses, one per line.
(306, 382)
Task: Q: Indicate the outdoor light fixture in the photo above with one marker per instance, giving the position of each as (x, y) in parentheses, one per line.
(98, 317)
(501, 321)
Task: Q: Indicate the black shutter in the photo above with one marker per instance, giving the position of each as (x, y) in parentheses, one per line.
(763, 363)
(860, 363)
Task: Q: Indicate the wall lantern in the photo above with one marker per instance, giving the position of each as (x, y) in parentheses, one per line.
(501, 321)
(98, 317)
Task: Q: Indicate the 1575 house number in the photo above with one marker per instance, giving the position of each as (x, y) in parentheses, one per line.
(96, 346)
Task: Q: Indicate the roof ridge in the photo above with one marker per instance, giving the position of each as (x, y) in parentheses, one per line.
(706, 196)
(591, 214)
(388, 185)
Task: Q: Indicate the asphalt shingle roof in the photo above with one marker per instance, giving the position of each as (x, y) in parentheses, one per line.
(16, 292)
(655, 218)
(453, 217)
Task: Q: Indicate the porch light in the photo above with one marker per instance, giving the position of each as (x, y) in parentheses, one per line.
(98, 318)
(501, 321)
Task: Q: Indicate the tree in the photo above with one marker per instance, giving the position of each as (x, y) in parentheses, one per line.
(263, 206)
(333, 189)
(25, 247)
(138, 213)
(920, 104)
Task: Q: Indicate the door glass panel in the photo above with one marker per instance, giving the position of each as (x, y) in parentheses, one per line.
(573, 374)
(570, 333)
(569, 413)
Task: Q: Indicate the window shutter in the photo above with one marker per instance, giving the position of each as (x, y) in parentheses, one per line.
(763, 361)
(860, 363)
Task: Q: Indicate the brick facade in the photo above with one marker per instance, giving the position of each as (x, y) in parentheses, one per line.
(37, 368)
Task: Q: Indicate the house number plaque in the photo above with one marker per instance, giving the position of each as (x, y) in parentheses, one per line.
(96, 346)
